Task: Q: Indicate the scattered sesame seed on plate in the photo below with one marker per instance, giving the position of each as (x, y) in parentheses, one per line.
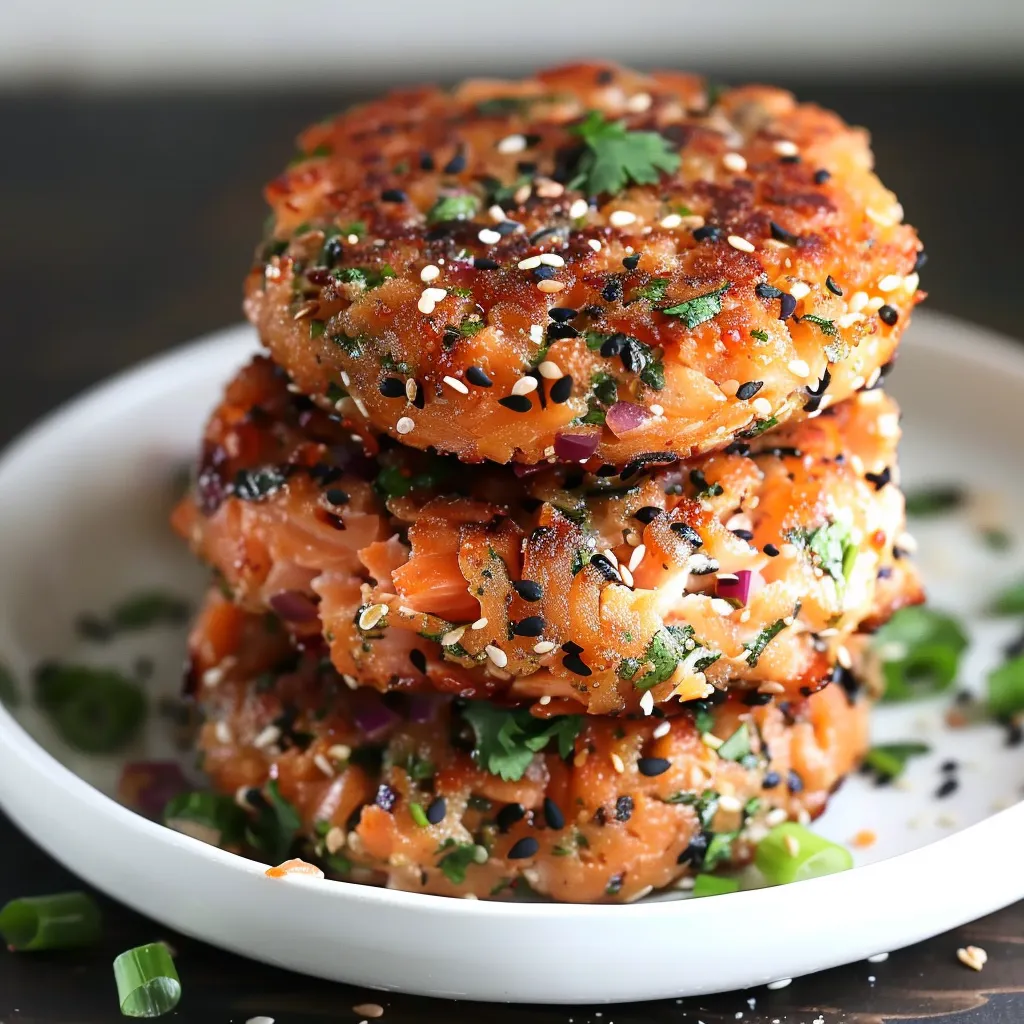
(972, 956)
(405, 425)
(617, 763)
(368, 1010)
(740, 243)
(878, 958)
(781, 983)
(456, 384)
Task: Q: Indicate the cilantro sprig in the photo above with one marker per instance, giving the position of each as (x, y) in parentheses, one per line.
(615, 156)
(700, 309)
(507, 739)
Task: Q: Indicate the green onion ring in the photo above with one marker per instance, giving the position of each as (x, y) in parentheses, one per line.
(147, 982)
(66, 920)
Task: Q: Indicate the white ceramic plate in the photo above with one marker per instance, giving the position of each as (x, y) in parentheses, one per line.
(83, 501)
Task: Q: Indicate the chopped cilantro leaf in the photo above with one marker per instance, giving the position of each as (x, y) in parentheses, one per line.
(832, 548)
(700, 309)
(1009, 601)
(275, 827)
(214, 811)
(458, 858)
(1006, 688)
(737, 746)
(755, 648)
(366, 277)
(920, 651)
(653, 291)
(827, 327)
(759, 334)
(668, 647)
(614, 156)
(316, 329)
(460, 206)
(507, 739)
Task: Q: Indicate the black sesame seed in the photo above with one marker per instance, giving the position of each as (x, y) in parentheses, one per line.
(794, 782)
(437, 810)
(561, 390)
(525, 848)
(792, 158)
(612, 291)
(630, 262)
(517, 403)
(831, 285)
(562, 314)
(948, 787)
(948, 766)
(746, 535)
(879, 479)
(552, 814)
(484, 263)
(392, 387)
(888, 315)
(571, 647)
(771, 550)
(575, 665)
(771, 780)
(605, 76)
(707, 233)
(336, 496)
(528, 590)
(457, 164)
(509, 815)
(780, 234)
(604, 567)
(532, 625)
(558, 331)
(613, 346)
(694, 854)
(393, 195)
(754, 698)
(688, 533)
(767, 291)
(544, 273)
(426, 162)
(922, 259)
(737, 448)
(787, 306)
(653, 766)
(386, 797)
(477, 377)
(749, 389)
(507, 227)
(419, 659)
(647, 514)
(820, 177)
(624, 808)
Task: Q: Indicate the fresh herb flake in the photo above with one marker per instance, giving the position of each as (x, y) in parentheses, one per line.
(1009, 601)
(460, 206)
(700, 309)
(920, 650)
(888, 760)
(507, 739)
(934, 500)
(1006, 688)
(458, 858)
(615, 156)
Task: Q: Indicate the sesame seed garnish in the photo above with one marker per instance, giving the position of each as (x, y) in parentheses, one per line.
(552, 259)
(595, 244)
(621, 218)
(792, 845)
(781, 983)
(497, 655)
(429, 298)
(890, 283)
(222, 731)
(888, 315)
(324, 765)
(578, 209)
(762, 407)
(626, 576)
(911, 281)
(516, 403)
(549, 370)
(456, 385)
(267, 737)
(647, 702)
(800, 290)
(637, 557)
(412, 390)
(369, 617)
(561, 390)
(785, 148)
(368, 1010)
(617, 763)
(639, 103)
(529, 263)
(476, 376)
(849, 319)
(972, 956)
(488, 237)
(799, 368)
(546, 188)
(673, 220)
(405, 425)
(748, 389)
(430, 273)
(545, 700)
(550, 287)
(734, 162)
(536, 334)
(512, 144)
(453, 636)
(528, 590)
(480, 623)
(496, 213)
(652, 767)
(740, 243)
(544, 647)
(525, 848)
(730, 803)
(524, 386)
(661, 729)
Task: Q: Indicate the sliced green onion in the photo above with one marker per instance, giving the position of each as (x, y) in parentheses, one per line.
(712, 885)
(934, 500)
(1006, 688)
(792, 853)
(888, 760)
(920, 651)
(1009, 601)
(737, 746)
(418, 815)
(66, 920)
(147, 982)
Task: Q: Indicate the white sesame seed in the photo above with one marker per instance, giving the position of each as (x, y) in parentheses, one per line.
(785, 148)
(430, 273)
(213, 677)
(849, 319)
(488, 237)
(740, 243)
(350, 681)
(800, 290)
(595, 244)
(781, 983)
(497, 655)
(626, 576)
(617, 763)
(885, 220)
(405, 425)
(548, 189)
(453, 636)
(552, 259)
(480, 623)
(361, 406)
(639, 103)
(550, 286)
(545, 700)
(339, 752)
(372, 615)
(874, 304)
(657, 410)
(456, 384)
(368, 1010)
(524, 386)
(890, 283)
(496, 213)
(792, 845)
(799, 368)
(878, 958)
(512, 144)
(858, 300)
(621, 218)
(911, 281)
(550, 370)
(661, 729)
(530, 263)
(729, 803)
(692, 221)
(437, 294)
(267, 738)
(637, 557)
(647, 702)
(345, 378)
(720, 606)
(734, 162)
(544, 647)
(673, 220)
(411, 389)
(324, 765)
(776, 816)
(579, 209)
(770, 686)
(426, 304)
(223, 732)
(762, 407)
(536, 333)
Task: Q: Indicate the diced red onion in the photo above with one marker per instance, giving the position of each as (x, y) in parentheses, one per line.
(147, 786)
(576, 447)
(293, 606)
(745, 586)
(625, 417)
(375, 719)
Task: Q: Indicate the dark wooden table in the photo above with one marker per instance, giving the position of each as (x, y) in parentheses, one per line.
(126, 224)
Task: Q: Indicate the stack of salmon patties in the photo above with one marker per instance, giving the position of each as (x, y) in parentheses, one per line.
(549, 529)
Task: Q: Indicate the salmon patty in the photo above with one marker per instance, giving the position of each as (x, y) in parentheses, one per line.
(592, 260)
(458, 798)
(605, 592)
